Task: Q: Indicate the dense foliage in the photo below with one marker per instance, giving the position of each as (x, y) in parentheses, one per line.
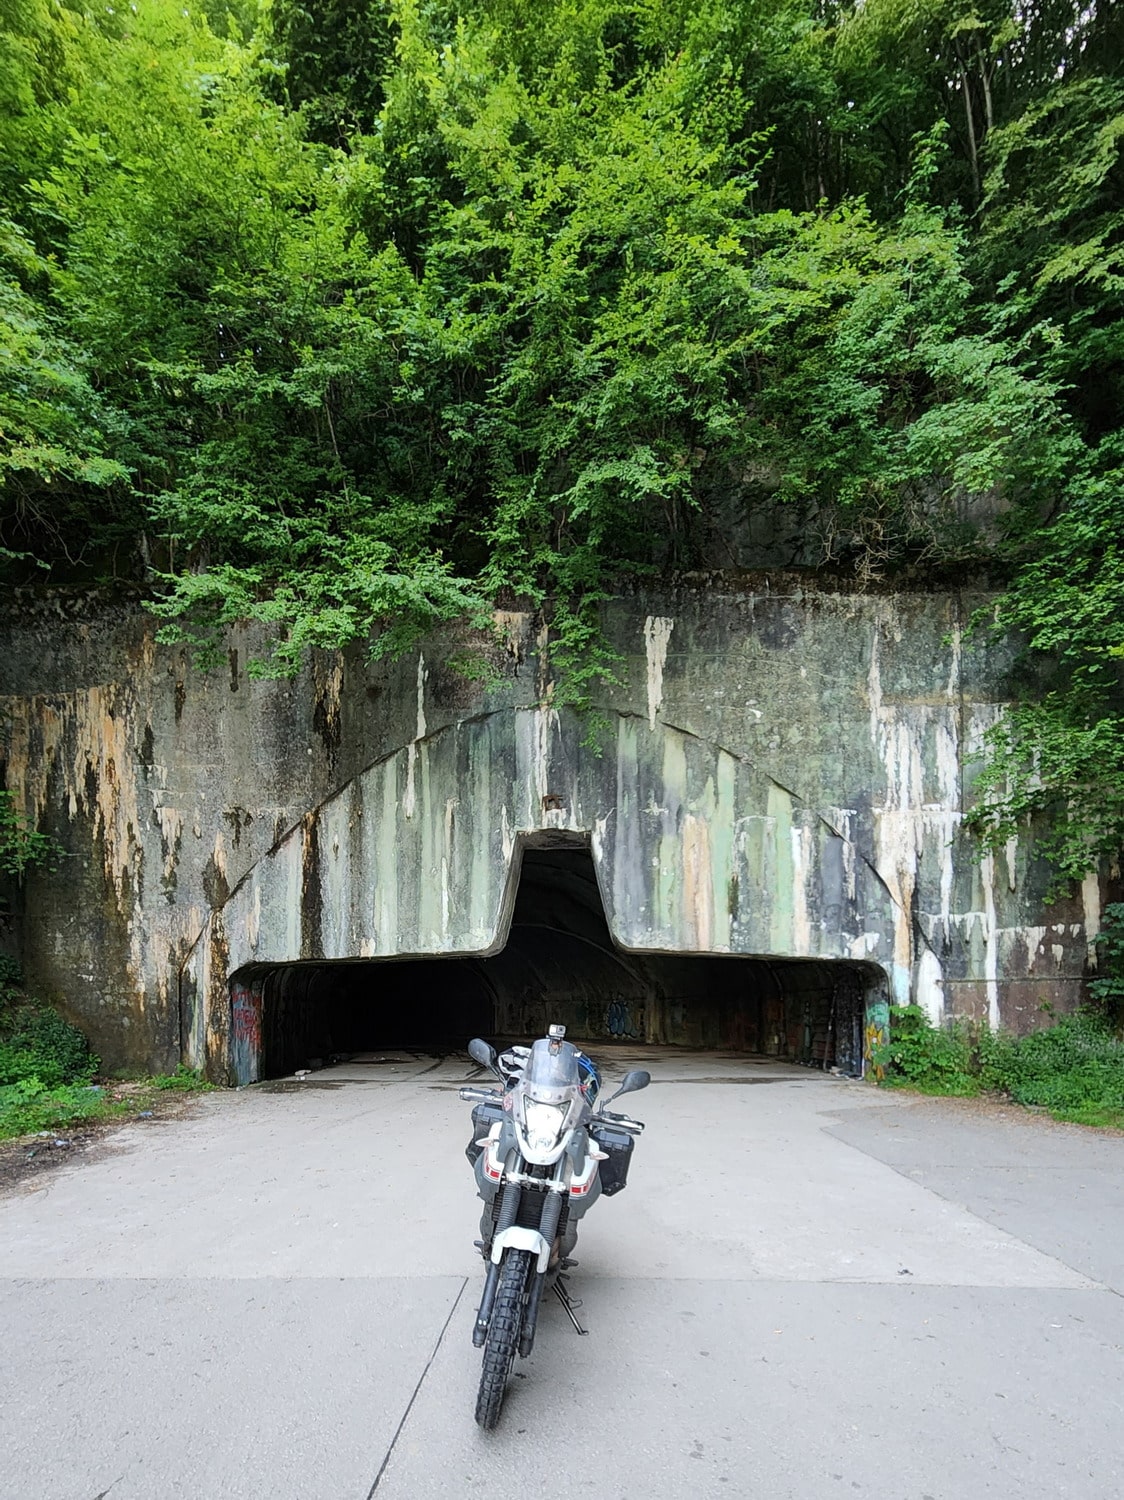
(354, 317)
(1074, 1069)
(35, 1042)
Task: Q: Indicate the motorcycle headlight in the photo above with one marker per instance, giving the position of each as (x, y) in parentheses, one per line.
(543, 1123)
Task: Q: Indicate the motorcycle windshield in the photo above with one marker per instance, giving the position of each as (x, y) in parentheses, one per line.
(551, 1077)
(548, 1103)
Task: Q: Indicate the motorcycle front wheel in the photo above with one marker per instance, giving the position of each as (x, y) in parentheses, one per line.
(504, 1329)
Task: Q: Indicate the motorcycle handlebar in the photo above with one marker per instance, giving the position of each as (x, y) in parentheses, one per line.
(626, 1122)
(473, 1095)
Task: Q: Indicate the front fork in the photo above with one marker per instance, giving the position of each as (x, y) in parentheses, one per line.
(539, 1241)
(509, 1212)
(548, 1228)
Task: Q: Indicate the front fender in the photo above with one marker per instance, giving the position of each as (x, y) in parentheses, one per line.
(521, 1239)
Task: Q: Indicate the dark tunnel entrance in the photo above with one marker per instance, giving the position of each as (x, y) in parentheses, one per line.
(559, 964)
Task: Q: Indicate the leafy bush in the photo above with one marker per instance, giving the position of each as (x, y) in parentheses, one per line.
(1075, 1069)
(22, 847)
(36, 1044)
(11, 981)
(934, 1059)
(40, 1045)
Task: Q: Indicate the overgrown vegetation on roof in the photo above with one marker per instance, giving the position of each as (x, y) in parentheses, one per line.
(351, 318)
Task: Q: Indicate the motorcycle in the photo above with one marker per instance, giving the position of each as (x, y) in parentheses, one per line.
(542, 1156)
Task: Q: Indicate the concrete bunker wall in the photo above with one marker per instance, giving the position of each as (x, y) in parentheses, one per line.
(783, 773)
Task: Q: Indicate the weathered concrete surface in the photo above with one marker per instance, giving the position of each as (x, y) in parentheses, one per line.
(293, 1389)
(779, 773)
(253, 1303)
(1057, 1187)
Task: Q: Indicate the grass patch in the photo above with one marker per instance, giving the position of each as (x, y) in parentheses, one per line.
(29, 1107)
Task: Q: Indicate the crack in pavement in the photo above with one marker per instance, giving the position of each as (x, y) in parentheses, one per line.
(417, 1388)
(985, 1214)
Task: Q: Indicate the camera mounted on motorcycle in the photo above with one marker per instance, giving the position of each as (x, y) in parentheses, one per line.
(555, 1033)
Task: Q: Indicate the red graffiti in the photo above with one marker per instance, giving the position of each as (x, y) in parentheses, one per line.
(246, 1015)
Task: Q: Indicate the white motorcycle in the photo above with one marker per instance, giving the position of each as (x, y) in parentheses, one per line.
(542, 1155)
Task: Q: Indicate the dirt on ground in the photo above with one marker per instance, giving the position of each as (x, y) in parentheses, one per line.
(997, 1107)
(33, 1156)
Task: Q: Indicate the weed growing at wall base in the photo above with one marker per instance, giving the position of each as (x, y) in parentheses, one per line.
(47, 1070)
(1074, 1070)
(184, 1080)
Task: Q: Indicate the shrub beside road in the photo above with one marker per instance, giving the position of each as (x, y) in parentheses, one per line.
(49, 1076)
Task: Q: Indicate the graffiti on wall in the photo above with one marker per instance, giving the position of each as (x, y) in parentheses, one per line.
(245, 1030)
(876, 1037)
(620, 1022)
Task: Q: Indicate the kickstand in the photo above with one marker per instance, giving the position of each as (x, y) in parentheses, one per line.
(569, 1304)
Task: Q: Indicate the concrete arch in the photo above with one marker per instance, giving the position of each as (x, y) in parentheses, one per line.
(696, 851)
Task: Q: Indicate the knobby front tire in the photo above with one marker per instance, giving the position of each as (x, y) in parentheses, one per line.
(504, 1329)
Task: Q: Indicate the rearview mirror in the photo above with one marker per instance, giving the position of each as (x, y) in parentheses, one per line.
(480, 1052)
(635, 1079)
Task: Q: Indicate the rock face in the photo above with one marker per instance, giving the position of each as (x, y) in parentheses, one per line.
(778, 773)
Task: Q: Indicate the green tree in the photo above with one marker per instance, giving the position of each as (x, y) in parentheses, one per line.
(332, 59)
(351, 319)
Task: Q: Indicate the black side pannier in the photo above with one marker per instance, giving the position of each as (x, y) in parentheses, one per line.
(484, 1116)
(618, 1144)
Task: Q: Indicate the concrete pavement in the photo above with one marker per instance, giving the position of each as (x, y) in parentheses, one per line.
(810, 1288)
